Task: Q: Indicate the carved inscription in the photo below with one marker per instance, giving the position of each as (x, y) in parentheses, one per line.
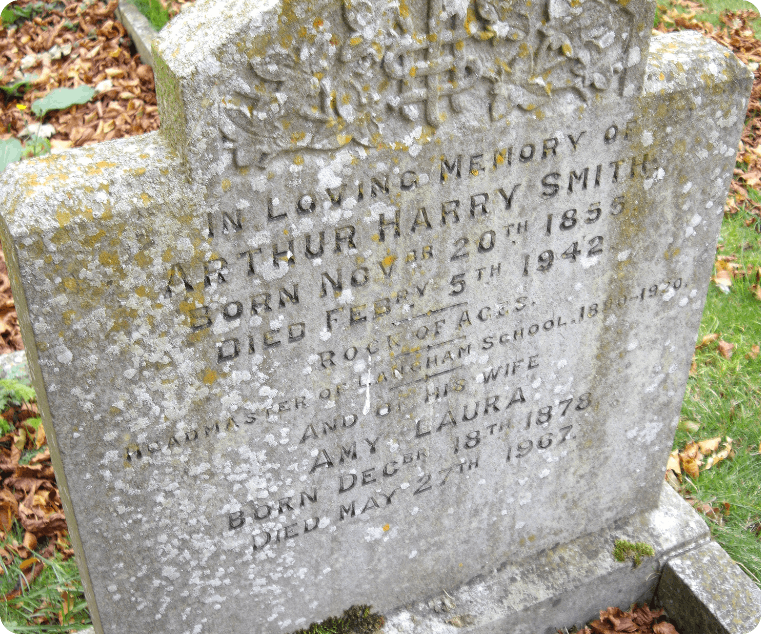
(411, 307)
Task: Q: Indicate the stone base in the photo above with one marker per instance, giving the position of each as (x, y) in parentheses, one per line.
(570, 583)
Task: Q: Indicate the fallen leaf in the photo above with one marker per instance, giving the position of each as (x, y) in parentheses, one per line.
(756, 291)
(709, 446)
(707, 340)
(664, 628)
(691, 459)
(754, 352)
(28, 563)
(725, 453)
(30, 541)
(726, 349)
(689, 426)
(673, 463)
(8, 509)
(723, 280)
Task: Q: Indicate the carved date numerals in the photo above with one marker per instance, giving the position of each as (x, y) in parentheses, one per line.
(525, 447)
(572, 218)
(546, 259)
(424, 481)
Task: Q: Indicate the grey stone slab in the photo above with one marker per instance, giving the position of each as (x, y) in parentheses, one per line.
(139, 27)
(705, 591)
(399, 295)
(563, 586)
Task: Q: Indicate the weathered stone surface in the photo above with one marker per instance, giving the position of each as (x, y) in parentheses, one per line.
(299, 352)
(705, 591)
(564, 586)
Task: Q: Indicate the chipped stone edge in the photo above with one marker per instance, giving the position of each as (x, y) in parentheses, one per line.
(140, 29)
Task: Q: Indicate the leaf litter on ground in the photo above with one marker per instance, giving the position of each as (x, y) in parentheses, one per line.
(639, 620)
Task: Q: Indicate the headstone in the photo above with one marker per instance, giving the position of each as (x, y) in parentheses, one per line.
(402, 291)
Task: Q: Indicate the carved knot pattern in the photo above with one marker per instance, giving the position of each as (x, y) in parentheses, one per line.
(441, 73)
(349, 76)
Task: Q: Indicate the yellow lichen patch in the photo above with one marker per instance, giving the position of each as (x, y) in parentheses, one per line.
(124, 318)
(459, 45)
(567, 49)
(63, 217)
(386, 527)
(299, 159)
(209, 376)
(413, 71)
(60, 237)
(143, 259)
(662, 77)
(404, 9)
(226, 184)
(389, 260)
(303, 32)
(146, 198)
(343, 139)
(109, 258)
(168, 255)
(523, 50)
(140, 171)
(105, 164)
(68, 316)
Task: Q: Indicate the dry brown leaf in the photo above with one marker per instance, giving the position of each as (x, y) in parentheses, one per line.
(39, 440)
(8, 509)
(726, 349)
(726, 452)
(689, 426)
(709, 446)
(723, 280)
(754, 352)
(28, 563)
(707, 340)
(691, 459)
(673, 463)
(755, 290)
(664, 628)
(30, 541)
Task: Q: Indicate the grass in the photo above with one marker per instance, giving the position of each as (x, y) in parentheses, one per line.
(724, 398)
(53, 603)
(156, 13)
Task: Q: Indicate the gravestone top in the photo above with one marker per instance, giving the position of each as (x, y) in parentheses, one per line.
(328, 75)
(360, 321)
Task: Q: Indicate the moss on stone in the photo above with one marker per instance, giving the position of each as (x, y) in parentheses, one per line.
(623, 550)
(358, 619)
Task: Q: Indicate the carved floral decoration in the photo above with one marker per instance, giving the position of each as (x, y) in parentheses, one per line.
(493, 55)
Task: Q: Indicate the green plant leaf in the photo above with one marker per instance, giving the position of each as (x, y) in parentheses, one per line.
(36, 146)
(10, 151)
(61, 98)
